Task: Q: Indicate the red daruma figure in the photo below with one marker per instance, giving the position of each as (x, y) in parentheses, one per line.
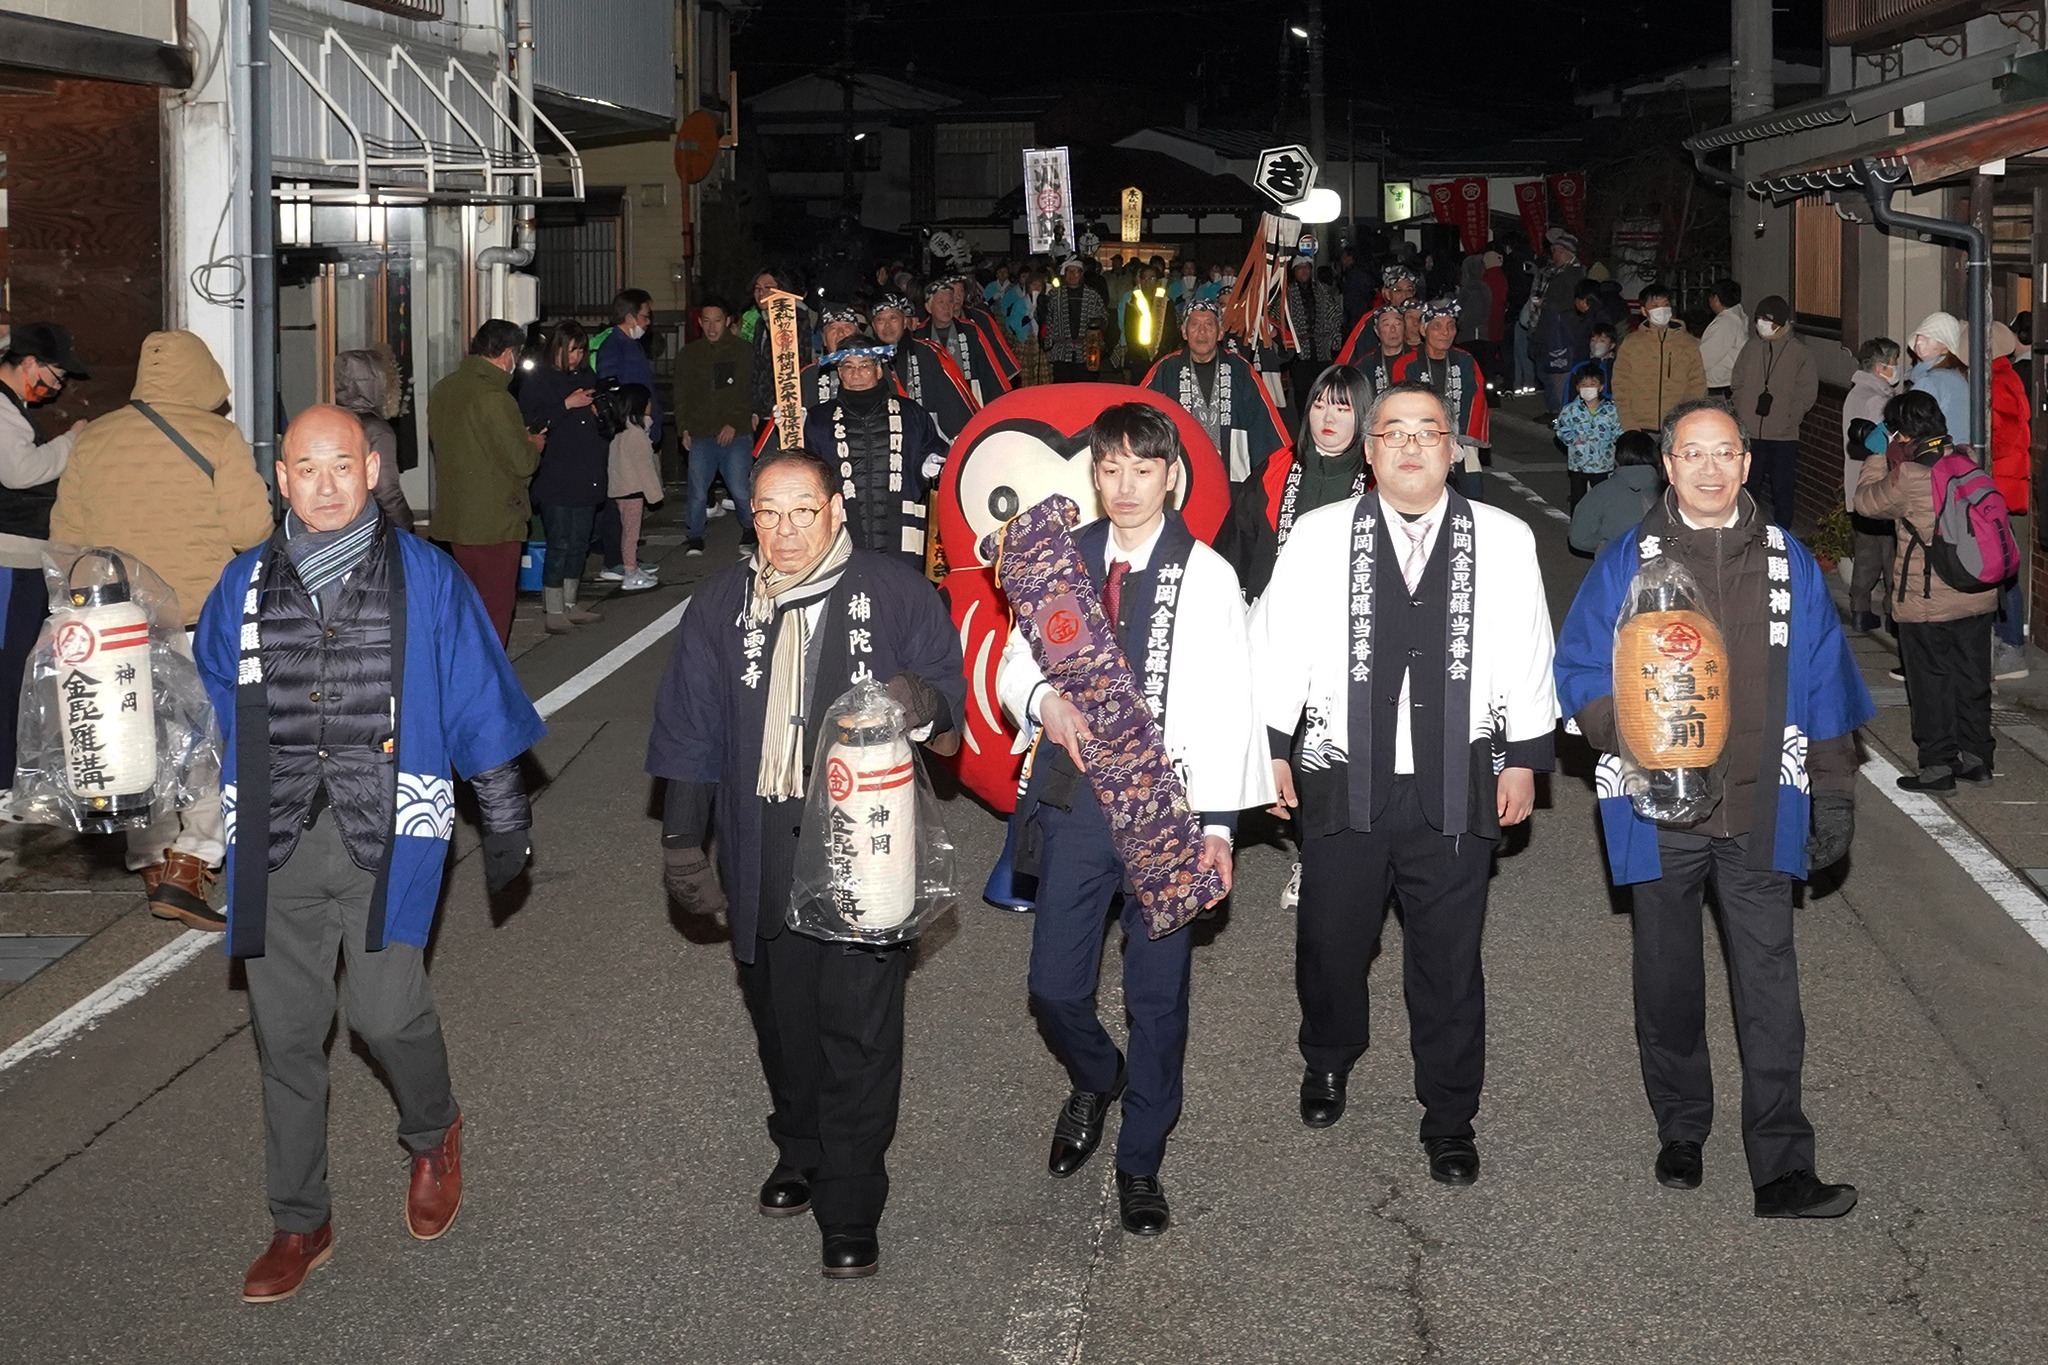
(1019, 450)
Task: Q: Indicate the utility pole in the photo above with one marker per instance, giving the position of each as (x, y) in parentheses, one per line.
(850, 17)
(1749, 71)
(1316, 142)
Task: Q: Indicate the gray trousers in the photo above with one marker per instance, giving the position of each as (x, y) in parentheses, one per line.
(319, 907)
(1873, 572)
(1763, 977)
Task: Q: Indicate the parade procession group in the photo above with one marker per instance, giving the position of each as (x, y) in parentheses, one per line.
(1204, 616)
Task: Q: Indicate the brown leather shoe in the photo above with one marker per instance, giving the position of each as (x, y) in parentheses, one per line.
(436, 1193)
(177, 890)
(286, 1262)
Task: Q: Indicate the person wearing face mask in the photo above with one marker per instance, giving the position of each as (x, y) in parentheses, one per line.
(1657, 367)
(1326, 465)
(1600, 355)
(1941, 370)
(36, 362)
(1724, 337)
(1588, 428)
(1877, 377)
(1775, 383)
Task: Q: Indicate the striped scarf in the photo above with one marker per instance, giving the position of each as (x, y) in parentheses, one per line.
(323, 558)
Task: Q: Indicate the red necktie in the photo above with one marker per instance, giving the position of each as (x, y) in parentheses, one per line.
(1113, 592)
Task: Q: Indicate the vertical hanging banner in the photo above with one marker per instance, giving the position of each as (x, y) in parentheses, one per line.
(1570, 189)
(1532, 198)
(1443, 201)
(786, 364)
(1048, 200)
(1134, 214)
(1475, 213)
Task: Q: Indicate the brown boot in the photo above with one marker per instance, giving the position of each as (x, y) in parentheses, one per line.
(580, 616)
(436, 1193)
(177, 887)
(286, 1262)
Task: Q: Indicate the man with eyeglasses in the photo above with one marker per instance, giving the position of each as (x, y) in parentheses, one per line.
(1795, 700)
(765, 649)
(1401, 658)
(883, 448)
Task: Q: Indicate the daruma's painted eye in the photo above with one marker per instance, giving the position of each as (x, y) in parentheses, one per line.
(1003, 502)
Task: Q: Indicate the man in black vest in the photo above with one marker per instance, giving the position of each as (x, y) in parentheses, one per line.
(883, 448)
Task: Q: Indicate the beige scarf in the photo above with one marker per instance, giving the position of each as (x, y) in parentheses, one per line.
(781, 776)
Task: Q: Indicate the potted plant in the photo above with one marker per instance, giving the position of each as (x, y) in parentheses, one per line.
(1833, 539)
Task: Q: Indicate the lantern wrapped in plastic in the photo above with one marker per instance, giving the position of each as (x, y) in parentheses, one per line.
(115, 730)
(1671, 698)
(875, 865)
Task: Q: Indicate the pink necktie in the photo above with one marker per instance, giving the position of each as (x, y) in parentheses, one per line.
(1411, 564)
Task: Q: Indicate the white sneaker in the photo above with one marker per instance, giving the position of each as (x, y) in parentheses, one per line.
(639, 580)
(613, 575)
(2007, 661)
(726, 504)
(1291, 897)
(715, 510)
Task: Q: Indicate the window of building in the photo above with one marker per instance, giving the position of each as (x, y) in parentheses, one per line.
(1817, 265)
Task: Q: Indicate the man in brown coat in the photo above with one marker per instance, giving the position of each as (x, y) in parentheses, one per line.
(1658, 366)
(170, 481)
(1775, 383)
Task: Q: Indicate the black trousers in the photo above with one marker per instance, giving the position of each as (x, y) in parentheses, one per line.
(1774, 477)
(1763, 976)
(828, 1018)
(1583, 483)
(1948, 689)
(1441, 882)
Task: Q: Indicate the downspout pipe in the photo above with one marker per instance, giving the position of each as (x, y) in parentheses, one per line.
(1878, 190)
(520, 254)
(262, 249)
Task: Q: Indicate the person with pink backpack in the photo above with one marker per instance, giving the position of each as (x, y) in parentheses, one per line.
(1954, 549)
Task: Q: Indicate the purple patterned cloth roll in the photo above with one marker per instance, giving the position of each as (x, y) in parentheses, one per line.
(1151, 824)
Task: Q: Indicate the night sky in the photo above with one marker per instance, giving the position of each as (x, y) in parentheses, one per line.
(1527, 54)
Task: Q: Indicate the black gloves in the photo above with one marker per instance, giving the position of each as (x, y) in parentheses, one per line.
(921, 705)
(693, 882)
(505, 855)
(1834, 828)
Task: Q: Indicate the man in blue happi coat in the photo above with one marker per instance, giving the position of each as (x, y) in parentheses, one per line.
(1787, 804)
(353, 670)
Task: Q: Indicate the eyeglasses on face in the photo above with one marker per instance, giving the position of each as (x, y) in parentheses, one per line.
(1692, 455)
(1393, 438)
(803, 518)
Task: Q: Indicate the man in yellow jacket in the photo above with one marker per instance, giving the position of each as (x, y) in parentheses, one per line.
(1658, 366)
(171, 481)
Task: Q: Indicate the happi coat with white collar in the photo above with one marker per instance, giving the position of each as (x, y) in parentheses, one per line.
(1211, 730)
(1315, 654)
(1235, 409)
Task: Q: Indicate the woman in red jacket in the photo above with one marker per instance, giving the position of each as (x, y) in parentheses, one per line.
(2012, 462)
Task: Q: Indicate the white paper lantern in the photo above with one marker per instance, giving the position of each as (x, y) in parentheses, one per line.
(106, 702)
(871, 817)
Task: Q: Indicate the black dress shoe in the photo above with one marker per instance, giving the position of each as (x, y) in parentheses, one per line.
(784, 1194)
(1679, 1166)
(1141, 1199)
(851, 1255)
(1452, 1160)
(1322, 1097)
(1077, 1132)
(1801, 1194)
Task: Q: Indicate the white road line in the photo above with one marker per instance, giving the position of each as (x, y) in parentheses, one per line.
(617, 658)
(1985, 868)
(138, 980)
(132, 984)
(1554, 513)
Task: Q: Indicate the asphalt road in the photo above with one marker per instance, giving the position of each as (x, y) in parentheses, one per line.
(614, 1133)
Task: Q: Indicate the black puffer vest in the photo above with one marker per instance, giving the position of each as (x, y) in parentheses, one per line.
(329, 685)
(875, 516)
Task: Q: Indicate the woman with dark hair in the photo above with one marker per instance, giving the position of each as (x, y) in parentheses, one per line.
(1326, 465)
(573, 480)
(1944, 633)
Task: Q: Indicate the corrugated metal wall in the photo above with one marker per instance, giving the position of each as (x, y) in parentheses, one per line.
(626, 56)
